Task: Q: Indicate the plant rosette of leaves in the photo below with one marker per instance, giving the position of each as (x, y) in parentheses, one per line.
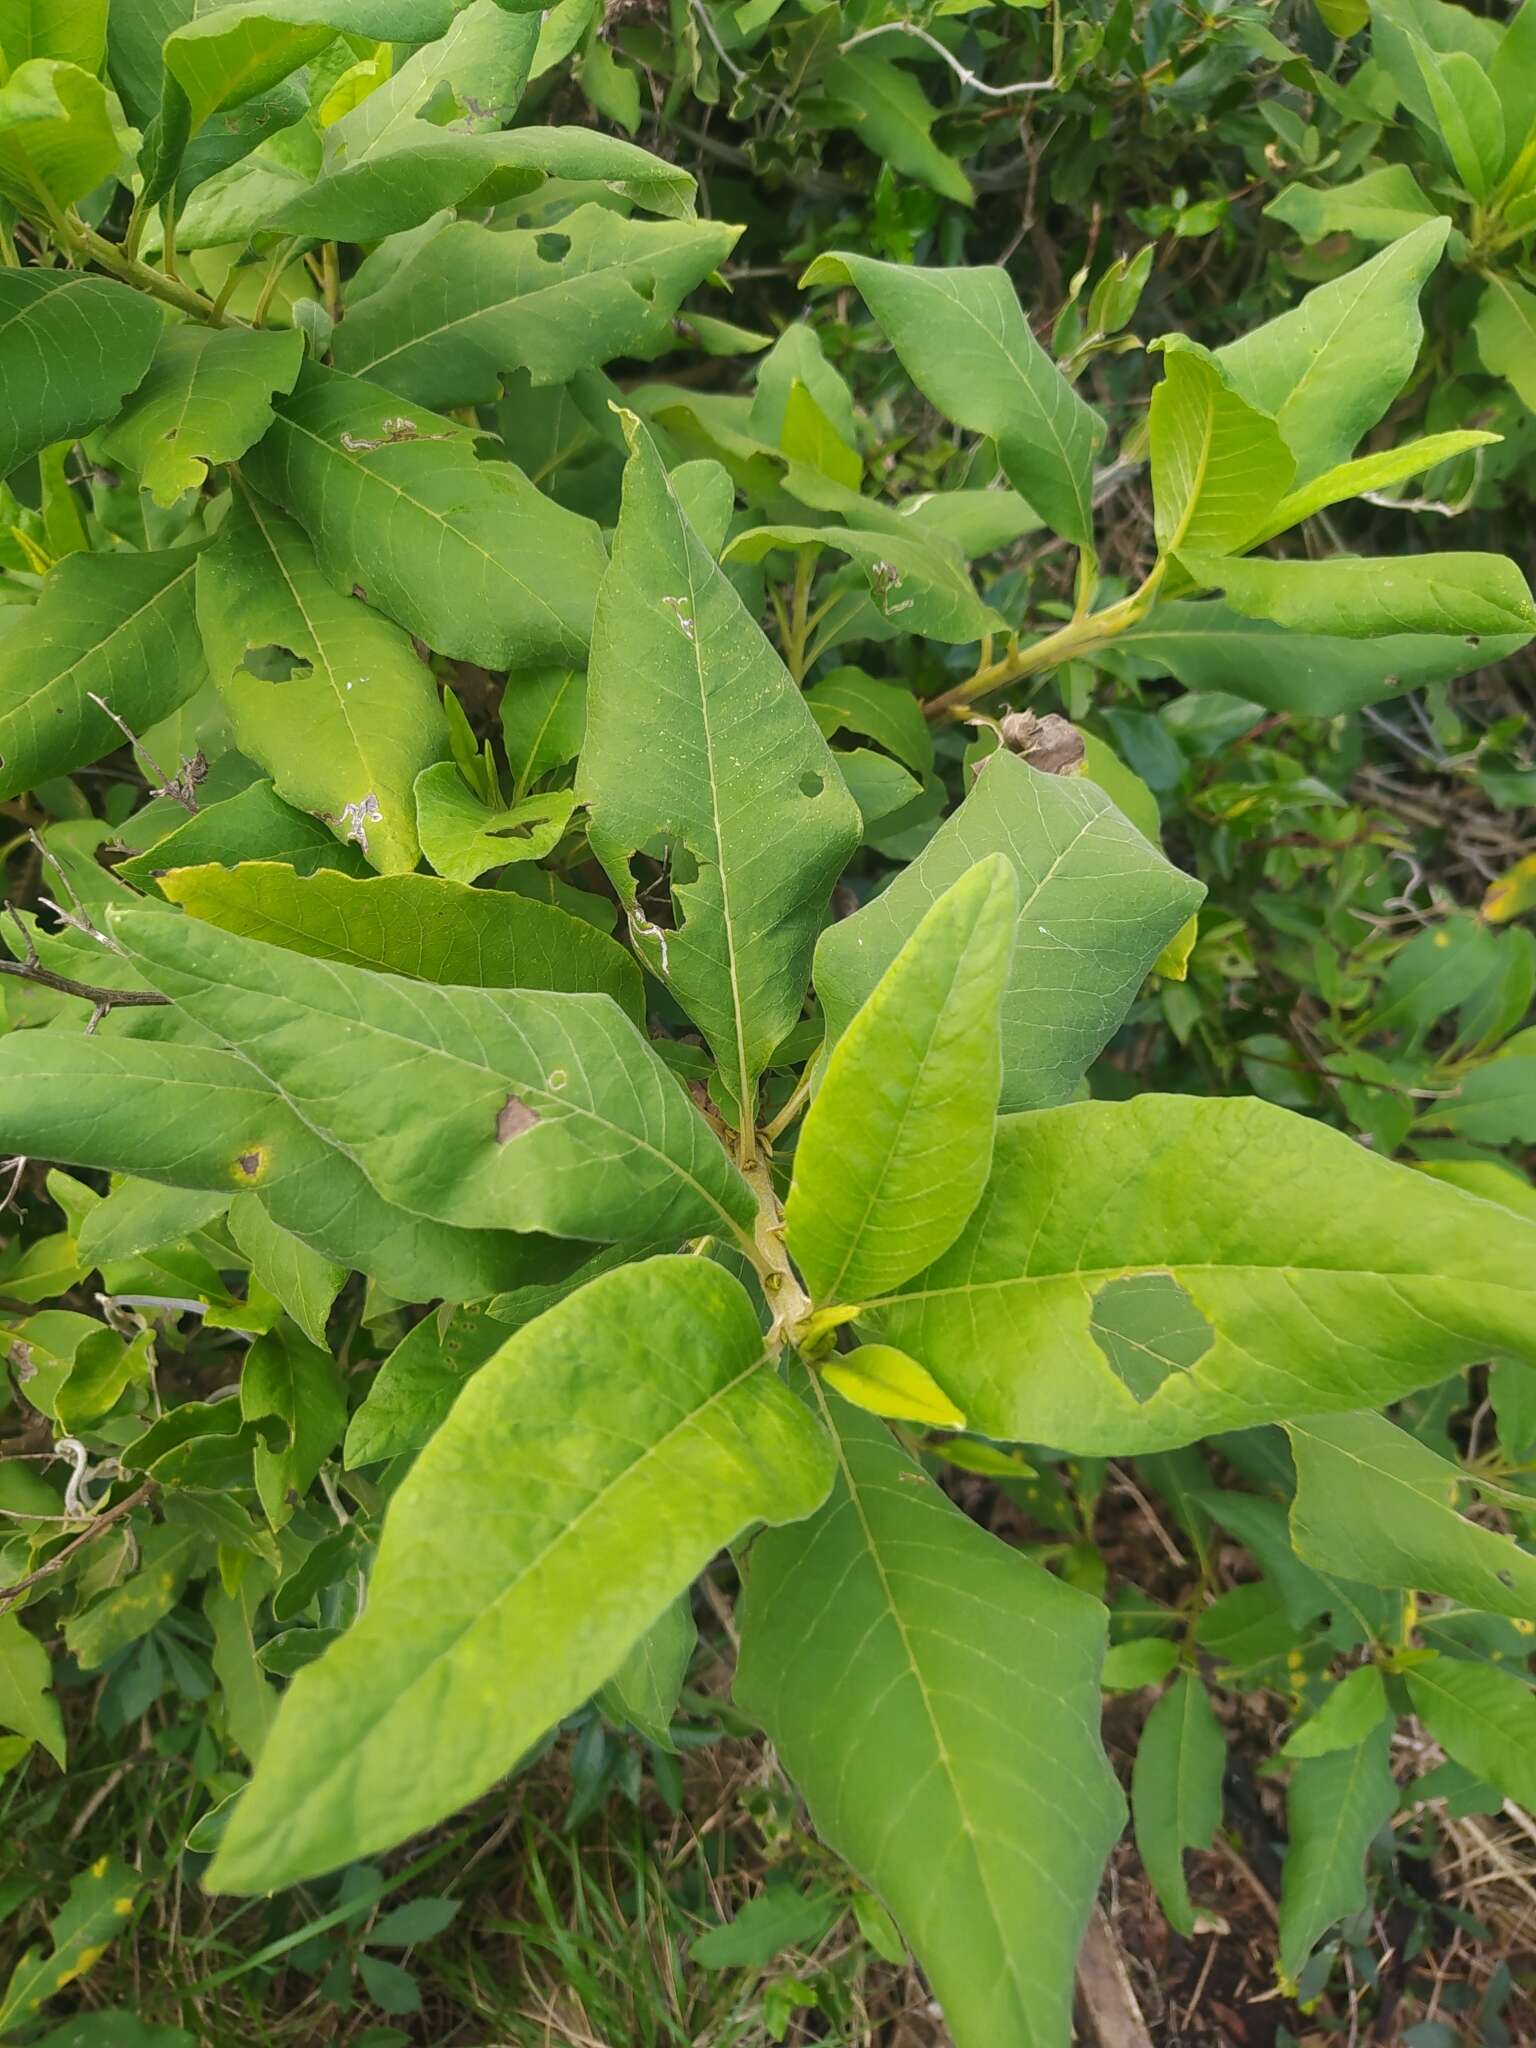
(699, 1217)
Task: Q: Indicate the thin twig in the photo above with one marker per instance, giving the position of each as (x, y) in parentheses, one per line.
(99, 998)
(9, 1595)
(962, 71)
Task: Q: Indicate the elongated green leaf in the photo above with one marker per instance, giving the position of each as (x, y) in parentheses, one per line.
(964, 341)
(644, 1402)
(896, 1147)
(416, 925)
(1328, 1278)
(892, 117)
(71, 345)
(228, 55)
(1505, 327)
(419, 1382)
(1176, 1791)
(1209, 646)
(99, 1908)
(1355, 1706)
(699, 742)
(331, 699)
(476, 303)
(1485, 1719)
(1219, 466)
(1467, 114)
(1374, 1503)
(119, 627)
(934, 1695)
(643, 1692)
(286, 1376)
(920, 586)
(1380, 206)
(1512, 73)
(543, 722)
(1097, 904)
(26, 1704)
(195, 1118)
(253, 825)
(400, 510)
(1329, 369)
(1337, 1806)
(206, 398)
(1371, 473)
(304, 1281)
(1357, 598)
(404, 185)
(883, 1381)
(58, 139)
(524, 1110)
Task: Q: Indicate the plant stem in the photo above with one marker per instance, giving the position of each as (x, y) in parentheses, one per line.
(84, 241)
(792, 1108)
(799, 613)
(1077, 636)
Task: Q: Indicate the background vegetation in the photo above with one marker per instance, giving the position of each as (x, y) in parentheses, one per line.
(1364, 955)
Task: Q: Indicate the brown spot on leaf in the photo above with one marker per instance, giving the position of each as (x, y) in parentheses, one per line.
(513, 1118)
(250, 1164)
(1052, 744)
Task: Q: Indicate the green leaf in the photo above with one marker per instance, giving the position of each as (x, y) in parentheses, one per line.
(169, 1553)
(1336, 1807)
(779, 1918)
(328, 697)
(847, 700)
(883, 1381)
(253, 825)
(1505, 327)
(893, 119)
(248, 1700)
(71, 346)
(74, 30)
(807, 435)
(464, 838)
(1352, 1710)
(58, 139)
(26, 1704)
(1176, 1791)
(304, 1281)
(477, 302)
(465, 553)
(1484, 1718)
(1512, 74)
(426, 169)
(1468, 114)
(897, 1144)
(1356, 597)
(1379, 206)
(1328, 369)
(199, 1118)
(699, 745)
(206, 399)
(646, 1401)
(286, 1376)
(543, 722)
(954, 1761)
(99, 1907)
(1209, 646)
(1219, 466)
(1370, 473)
(415, 925)
(1373, 1503)
(797, 357)
(119, 627)
(963, 339)
(1327, 1278)
(228, 55)
(419, 1382)
(643, 1692)
(920, 586)
(526, 1110)
(1097, 906)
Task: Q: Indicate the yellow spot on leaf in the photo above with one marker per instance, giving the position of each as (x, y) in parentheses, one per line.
(250, 1166)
